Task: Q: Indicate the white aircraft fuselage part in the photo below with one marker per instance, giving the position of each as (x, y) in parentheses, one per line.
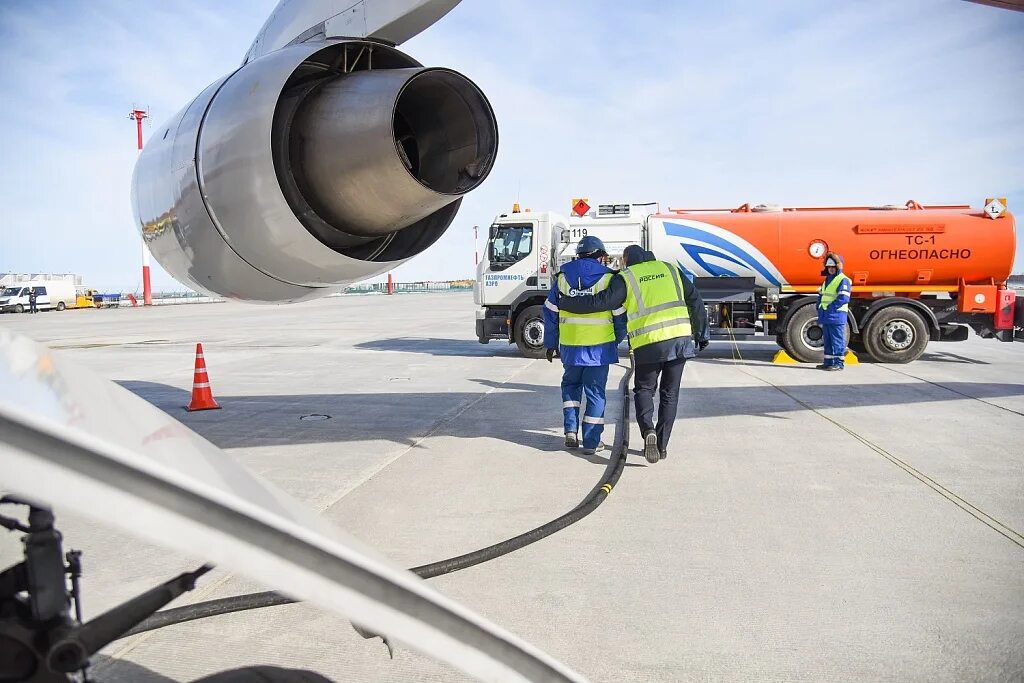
(72, 440)
(328, 157)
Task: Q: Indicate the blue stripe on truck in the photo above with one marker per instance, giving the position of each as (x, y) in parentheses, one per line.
(730, 252)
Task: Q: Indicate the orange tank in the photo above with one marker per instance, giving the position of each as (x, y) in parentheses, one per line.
(910, 249)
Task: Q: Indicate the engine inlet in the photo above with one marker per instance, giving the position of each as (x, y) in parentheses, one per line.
(378, 151)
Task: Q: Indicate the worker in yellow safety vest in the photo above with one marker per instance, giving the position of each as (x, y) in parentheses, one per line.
(666, 324)
(833, 308)
(587, 343)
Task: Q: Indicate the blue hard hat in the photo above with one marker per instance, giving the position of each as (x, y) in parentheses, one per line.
(590, 246)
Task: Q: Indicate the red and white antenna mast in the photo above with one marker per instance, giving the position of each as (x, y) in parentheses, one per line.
(138, 115)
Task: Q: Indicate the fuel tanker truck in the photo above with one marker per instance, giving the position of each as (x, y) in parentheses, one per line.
(919, 273)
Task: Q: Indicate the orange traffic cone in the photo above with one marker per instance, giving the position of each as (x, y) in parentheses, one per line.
(202, 397)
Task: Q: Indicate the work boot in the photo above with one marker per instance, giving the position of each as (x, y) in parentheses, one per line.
(651, 448)
(596, 449)
(664, 453)
(822, 367)
(571, 440)
(833, 368)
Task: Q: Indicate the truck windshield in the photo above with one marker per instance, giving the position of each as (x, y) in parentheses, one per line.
(510, 244)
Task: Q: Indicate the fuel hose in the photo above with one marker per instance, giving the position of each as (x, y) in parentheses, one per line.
(597, 495)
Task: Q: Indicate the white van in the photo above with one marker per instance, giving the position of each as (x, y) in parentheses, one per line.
(50, 294)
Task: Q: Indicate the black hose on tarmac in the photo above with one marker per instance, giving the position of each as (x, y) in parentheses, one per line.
(600, 492)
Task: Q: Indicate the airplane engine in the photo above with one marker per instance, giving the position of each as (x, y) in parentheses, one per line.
(309, 168)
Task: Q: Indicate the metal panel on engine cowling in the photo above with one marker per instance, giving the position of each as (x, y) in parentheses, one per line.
(175, 224)
(240, 184)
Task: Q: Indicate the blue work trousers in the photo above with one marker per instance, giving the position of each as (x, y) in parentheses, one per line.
(590, 380)
(835, 343)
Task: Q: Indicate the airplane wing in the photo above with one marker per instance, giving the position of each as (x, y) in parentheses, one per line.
(71, 439)
(1017, 5)
(393, 21)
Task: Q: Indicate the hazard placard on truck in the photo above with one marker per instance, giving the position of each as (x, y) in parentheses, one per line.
(919, 273)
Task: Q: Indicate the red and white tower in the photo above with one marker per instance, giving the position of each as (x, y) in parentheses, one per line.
(138, 115)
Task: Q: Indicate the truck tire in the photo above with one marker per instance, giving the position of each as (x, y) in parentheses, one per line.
(803, 338)
(529, 329)
(19, 309)
(897, 334)
(61, 306)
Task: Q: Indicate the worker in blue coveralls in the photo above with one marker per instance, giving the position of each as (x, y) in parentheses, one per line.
(587, 343)
(833, 307)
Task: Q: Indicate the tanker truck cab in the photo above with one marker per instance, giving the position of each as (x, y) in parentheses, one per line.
(524, 252)
(514, 277)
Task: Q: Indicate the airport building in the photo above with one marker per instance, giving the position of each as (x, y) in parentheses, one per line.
(8, 279)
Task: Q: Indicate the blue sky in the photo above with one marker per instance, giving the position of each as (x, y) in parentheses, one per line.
(687, 104)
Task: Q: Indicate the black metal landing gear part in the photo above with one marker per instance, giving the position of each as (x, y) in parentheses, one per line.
(40, 641)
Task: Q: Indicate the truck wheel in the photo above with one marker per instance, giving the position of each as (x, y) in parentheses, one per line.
(60, 306)
(803, 337)
(896, 334)
(530, 332)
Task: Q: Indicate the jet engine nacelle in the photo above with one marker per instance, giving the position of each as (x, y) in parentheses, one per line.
(312, 167)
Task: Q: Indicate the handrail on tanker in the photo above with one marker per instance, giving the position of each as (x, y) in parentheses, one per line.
(911, 205)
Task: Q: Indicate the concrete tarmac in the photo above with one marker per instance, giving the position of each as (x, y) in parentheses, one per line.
(856, 526)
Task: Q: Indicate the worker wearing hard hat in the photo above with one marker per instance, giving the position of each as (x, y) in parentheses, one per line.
(833, 308)
(666, 325)
(587, 344)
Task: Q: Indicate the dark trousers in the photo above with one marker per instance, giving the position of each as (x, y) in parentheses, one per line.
(32, 306)
(645, 382)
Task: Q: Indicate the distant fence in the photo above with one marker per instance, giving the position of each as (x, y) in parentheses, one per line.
(167, 298)
(177, 296)
(410, 287)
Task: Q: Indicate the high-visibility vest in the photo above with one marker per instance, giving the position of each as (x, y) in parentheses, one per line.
(584, 329)
(655, 306)
(829, 290)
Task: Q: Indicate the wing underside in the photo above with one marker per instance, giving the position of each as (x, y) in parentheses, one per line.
(392, 21)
